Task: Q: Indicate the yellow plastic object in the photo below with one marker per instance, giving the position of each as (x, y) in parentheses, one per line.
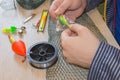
(5, 30)
(12, 29)
(43, 21)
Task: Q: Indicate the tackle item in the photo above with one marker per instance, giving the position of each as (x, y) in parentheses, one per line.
(18, 46)
(42, 21)
(59, 26)
(42, 55)
(12, 29)
(22, 30)
(63, 20)
(29, 18)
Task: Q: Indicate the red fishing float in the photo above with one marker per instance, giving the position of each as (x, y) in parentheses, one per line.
(18, 46)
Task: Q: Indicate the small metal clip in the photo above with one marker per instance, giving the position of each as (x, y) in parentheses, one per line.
(59, 27)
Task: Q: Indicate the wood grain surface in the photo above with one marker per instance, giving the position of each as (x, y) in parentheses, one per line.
(11, 65)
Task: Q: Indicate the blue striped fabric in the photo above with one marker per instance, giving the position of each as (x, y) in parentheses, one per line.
(117, 28)
(110, 15)
(113, 26)
(106, 63)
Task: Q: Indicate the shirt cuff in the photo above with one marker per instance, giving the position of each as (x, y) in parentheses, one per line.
(106, 63)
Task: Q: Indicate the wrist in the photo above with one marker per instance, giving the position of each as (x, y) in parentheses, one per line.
(95, 48)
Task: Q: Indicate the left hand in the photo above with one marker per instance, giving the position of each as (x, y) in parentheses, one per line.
(70, 8)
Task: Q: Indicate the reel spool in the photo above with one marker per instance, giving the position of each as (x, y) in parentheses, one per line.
(42, 55)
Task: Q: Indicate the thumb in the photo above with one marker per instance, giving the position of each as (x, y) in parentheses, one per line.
(66, 33)
(63, 7)
(76, 28)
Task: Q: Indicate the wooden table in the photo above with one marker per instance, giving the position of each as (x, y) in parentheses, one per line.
(99, 22)
(11, 65)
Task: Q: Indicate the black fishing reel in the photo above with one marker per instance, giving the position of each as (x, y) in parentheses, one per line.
(42, 55)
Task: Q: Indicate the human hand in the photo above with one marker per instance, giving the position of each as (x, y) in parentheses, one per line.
(70, 8)
(79, 45)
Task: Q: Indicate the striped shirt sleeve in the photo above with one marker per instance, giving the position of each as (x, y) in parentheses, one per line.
(106, 63)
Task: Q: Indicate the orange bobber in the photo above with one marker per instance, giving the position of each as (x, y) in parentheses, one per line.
(18, 46)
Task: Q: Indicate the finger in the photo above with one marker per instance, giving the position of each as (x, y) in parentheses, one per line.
(64, 55)
(54, 6)
(76, 13)
(76, 28)
(63, 7)
(66, 33)
(64, 38)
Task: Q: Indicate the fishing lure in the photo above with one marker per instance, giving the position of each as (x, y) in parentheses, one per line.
(12, 29)
(63, 20)
(42, 23)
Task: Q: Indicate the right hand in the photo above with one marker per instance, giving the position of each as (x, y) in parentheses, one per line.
(70, 8)
(79, 45)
